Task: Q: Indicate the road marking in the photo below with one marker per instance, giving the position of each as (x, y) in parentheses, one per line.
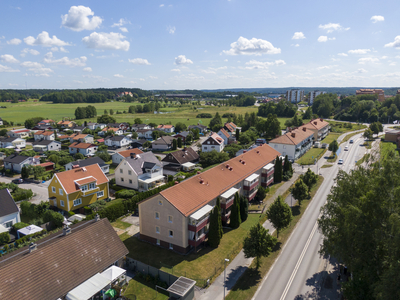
(303, 253)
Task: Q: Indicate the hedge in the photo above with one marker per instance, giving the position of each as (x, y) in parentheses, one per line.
(20, 225)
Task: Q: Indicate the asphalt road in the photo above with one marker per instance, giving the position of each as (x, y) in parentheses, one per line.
(39, 190)
(299, 270)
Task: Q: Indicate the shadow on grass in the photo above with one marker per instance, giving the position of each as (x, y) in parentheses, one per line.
(253, 277)
(296, 210)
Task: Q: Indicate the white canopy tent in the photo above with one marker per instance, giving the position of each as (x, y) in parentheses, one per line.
(113, 273)
(31, 229)
(89, 288)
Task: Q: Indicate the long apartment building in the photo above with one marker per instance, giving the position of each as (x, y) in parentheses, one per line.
(295, 96)
(312, 95)
(178, 217)
(379, 92)
(320, 127)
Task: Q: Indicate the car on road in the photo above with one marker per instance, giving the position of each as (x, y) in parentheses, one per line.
(340, 162)
(346, 148)
(351, 141)
(18, 180)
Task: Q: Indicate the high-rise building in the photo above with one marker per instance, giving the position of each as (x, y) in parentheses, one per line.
(295, 96)
(313, 94)
(379, 92)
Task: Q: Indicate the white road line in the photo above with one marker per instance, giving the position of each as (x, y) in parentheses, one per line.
(303, 253)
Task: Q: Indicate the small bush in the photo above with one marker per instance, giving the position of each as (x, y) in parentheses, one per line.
(71, 213)
(19, 225)
(4, 239)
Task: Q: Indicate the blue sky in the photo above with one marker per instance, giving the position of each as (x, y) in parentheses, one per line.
(193, 44)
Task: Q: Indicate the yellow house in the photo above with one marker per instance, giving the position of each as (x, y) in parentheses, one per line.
(78, 187)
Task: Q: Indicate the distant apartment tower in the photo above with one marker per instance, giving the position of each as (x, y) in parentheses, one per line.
(398, 92)
(313, 94)
(379, 92)
(295, 96)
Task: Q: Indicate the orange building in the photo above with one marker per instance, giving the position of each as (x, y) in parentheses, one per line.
(379, 92)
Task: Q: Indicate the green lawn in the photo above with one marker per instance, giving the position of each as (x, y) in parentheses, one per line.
(327, 166)
(120, 224)
(112, 168)
(386, 147)
(272, 190)
(310, 156)
(342, 127)
(332, 159)
(142, 290)
(330, 137)
(207, 263)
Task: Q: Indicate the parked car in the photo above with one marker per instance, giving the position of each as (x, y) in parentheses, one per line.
(346, 148)
(351, 141)
(18, 180)
(340, 162)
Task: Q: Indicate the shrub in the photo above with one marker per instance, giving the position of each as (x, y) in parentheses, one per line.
(71, 213)
(4, 239)
(125, 194)
(55, 218)
(204, 115)
(88, 210)
(19, 225)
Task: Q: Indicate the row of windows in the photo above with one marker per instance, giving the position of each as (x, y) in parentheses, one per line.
(157, 215)
(170, 232)
(79, 200)
(122, 180)
(122, 171)
(60, 191)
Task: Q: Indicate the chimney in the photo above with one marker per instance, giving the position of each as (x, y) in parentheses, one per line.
(75, 166)
(133, 155)
(315, 122)
(66, 230)
(32, 247)
(321, 119)
(304, 129)
(293, 134)
(97, 217)
(185, 149)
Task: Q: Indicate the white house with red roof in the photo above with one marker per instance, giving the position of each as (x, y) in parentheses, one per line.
(46, 122)
(224, 135)
(44, 135)
(213, 142)
(166, 128)
(19, 133)
(87, 149)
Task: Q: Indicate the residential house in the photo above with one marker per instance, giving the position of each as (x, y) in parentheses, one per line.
(78, 129)
(91, 125)
(87, 149)
(145, 134)
(48, 166)
(185, 159)
(70, 190)
(163, 143)
(44, 135)
(294, 143)
(15, 162)
(115, 131)
(201, 128)
(1, 122)
(136, 127)
(64, 137)
(140, 172)
(46, 122)
(224, 135)
(178, 217)
(117, 141)
(319, 127)
(123, 126)
(213, 142)
(121, 94)
(231, 128)
(81, 138)
(87, 162)
(67, 124)
(182, 135)
(393, 136)
(13, 142)
(19, 133)
(166, 128)
(378, 92)
(43, 127)
(46, 145)
(52, 267)
(138, 143)
(120, 156)
(9, 212)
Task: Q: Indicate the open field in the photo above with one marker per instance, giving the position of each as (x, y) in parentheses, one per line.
(142, 290)
(342, 127)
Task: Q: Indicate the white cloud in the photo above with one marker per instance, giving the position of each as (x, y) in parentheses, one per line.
(182, 60)
(74, 62)
(258, 65)
(87, 69)
(280, 62)
(395, 44)
(37, 68)
(62, 49)
(171, 29)
(77, 19)
(331, 27)
(123, 29)
(362, 71)
(4, 69)
(364, 60)
(8, 58)
(175, 70)
(392, 63)
(298, 36)
(108, 41)
(384, 57)
(139, 61)
(153, 77)
(375, 19)
(326, 67)
(14, 41)
(118, 75)
(121, 24)
(161, 5)
(324, 38)
(208, 71)
(78, 81)
(44, 39)
(31, 64)
(251, 47)
(359, 51)
(31, 51)
(343, 54)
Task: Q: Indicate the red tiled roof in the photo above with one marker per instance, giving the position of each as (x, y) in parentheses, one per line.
(193, 193)
(46, 164)
(316, 124)
(164, 126)
(82, 145)
(47, 121)
(217, 138)
(20, 131)
(223, 131)
(110, 128)
(126, 153)
(294, 137)
(44, 132)
(79, 136)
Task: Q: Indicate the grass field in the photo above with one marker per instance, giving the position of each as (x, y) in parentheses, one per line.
(311, 155)
(142, 290)
(326, 166)
(120, 224)
(386, 147)
(342, 127)
(272, 190)
(330, 138)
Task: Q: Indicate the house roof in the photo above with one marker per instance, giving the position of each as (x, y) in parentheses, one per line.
(294, 137)
(64, 122)
(315, 124)
(162, 126)
(143, 130)
(116, 138)
(9, 140)
(110, 128)
(16, 159)
(182, 156)
(60, 263)
(44, 143)
(230, 126)
(46, 164)
(79, 127)
(198, 125)
(82, 145)
(139, 141)
(139, 161)
(20, 130)
(164, 140)
(89, 161)
(183, 133)
(7, 204)
(223, 131)
(67, 178)
(66, 136)
(195, 192)
(127, 153)
(47, 121)
(216, 138)
(44, 132)
(78, 136)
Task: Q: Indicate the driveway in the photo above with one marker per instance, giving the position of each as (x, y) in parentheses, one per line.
(201, 140)
(39, 190)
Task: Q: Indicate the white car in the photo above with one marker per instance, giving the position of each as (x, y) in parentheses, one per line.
(346, 148)
(340, 162)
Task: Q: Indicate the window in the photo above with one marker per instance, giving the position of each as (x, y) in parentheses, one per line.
(122, 179)
(92, 186)
(205, 148)
(60, 191)
(100, 194)
(129, 172)
(130, 181)
(53, 189)
(284, 147)
(157, 215)
(171, 233)
(84, 187)
(169, 219)
(8, 224)
(158, 242)
(159, 202)
(61, 203)
(208, 142)
(121, 171)
(77, 202)
(171, 246)
(275, 146)
(157, 229)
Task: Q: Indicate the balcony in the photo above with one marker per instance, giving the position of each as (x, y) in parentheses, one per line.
(252, 195)
(250, 187)
(267, 174)
(89, 192)
(200, 225)
(226, 217)
(195, 243)
(227, 204)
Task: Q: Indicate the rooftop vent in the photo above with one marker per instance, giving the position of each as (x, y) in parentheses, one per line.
(258, 152)
(176, 182)
(304, 129)
(32, 247)
(227, 166)
(66, 230)
(315, 122)
(230, 169)
(240, 160)
(97, 217)
(75, 166)
(293, 134)
(198, 172)
(133, 155)
(84, 169)
(321, 119)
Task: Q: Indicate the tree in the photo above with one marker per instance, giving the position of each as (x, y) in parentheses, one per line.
(179, 142)
(244, 208)
(111, 111)
(174, 144)
(138, 121)
(27, 209)
(180, 127)
(24, 172)
(106, 119)
(368, 134)
(287, 169)
(55, 218)
(79, 156)
(105, 112)
(231, 149)
(279, 214)
(334, 146)
(237, 134)
(376, 127)
(260, 195)
(215, 232)
(278, 171)
(80, 113)
(215, 122)
(258, 243)
(41, 208)
(309, 178)
(104, 155)
(235, 219)
(32, 122)
(300, 191)
(3, 132)
(212, 158)
(4, 238)
(308, 114)
(38, 171)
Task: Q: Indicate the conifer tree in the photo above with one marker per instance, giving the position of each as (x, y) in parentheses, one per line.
(244, 208)
(235, 212)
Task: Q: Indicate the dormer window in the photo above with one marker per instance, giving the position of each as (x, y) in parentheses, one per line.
(84, 187)
(92, 186)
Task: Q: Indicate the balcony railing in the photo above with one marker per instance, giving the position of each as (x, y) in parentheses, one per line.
(92, 191)
(226, 217)
(252, 195)
(250, 187)
(266, 174)
(200, 225)
(228, 203)
(197, 242)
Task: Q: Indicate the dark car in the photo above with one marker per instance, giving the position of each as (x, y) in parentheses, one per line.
(18, 180)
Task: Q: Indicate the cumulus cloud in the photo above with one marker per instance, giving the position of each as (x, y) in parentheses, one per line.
(325, 67)
(171, 29)
(62, 49)
(331, 27)
(107, 41)
(362, 71)
(258, 65)
(37, 68)
(121, 24)
(375, 19)
(161, 5)
(123, 29)
(364, 60)
(87, 69)
(395, 44)
(175, 70)
(8, 58)
(139, 61)
(359, 51)
(118, 75)
(30, 51)
(182, 60)
(251, 47)
(80, 18)
(343, 54)
(74, 62)
(31, 64)
(298, 36)
(4, 69)
(324, 38)
(14, 41)
(45, 40)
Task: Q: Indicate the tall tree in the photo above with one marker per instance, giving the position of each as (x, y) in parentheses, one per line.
(179, 144)
(300, 191)
(309, 178)
(260, 195)
(24, 172)
(174, 144)
(279, 214)
(237, 134)
(244, 208)
(235, 219)
(258, 243)
(215, 230)
(334, 147)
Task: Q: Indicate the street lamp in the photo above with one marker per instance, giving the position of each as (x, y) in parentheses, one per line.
(226, 260)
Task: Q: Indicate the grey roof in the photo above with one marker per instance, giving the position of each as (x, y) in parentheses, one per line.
(183, 133)
(199, 125)
(15, 159)
(164, 140)
(89, 161)
(91, 123)
(139, 141)
(181, 286)
(143, 130)
(42, 127)
(79, 127)
(140, 160)
(7, 203)
(44, 143)
(9, 140)
(115, 138)
(148, 165)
